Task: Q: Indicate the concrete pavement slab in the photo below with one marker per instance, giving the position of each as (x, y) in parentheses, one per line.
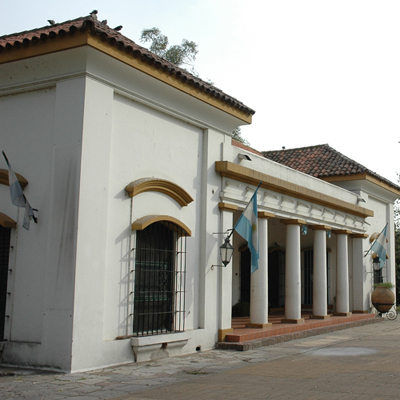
(358, 363)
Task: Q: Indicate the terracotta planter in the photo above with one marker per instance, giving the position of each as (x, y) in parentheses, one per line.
(382, 298)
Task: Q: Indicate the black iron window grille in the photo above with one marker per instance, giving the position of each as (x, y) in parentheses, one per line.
(159, 280)
(4, 255)
(378, 276)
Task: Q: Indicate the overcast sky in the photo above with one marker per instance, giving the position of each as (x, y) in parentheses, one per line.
(315, 72)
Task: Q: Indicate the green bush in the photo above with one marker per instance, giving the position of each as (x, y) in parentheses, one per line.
(384, 284)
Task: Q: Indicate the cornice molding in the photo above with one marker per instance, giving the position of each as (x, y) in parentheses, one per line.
(253, 177)
(227, 207)
(265, 215)
(359, 177)
(168, 188)
(342, 232)
(359, 235)
(320, 227)
(293, 221)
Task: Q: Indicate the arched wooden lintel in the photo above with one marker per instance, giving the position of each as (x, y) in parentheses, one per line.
(144, 222)
(180, 195)
(4, 178)
(6, 221)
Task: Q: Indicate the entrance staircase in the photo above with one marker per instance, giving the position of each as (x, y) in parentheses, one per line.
(243, 338)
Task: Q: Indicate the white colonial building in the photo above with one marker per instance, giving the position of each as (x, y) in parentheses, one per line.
(130, 163)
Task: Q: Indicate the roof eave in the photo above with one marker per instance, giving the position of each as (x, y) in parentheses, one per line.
(362, 176)
(85, 34)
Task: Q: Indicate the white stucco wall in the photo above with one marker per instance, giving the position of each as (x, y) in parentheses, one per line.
(79, 138)
(126, 137)
(41, 134)
(80, 126)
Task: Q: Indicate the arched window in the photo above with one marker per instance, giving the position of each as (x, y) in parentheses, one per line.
(160, 275)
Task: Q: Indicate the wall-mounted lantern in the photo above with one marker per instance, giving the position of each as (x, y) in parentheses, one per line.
(226, 251)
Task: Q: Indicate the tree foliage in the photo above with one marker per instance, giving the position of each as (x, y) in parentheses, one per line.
(182, 54)
(237, 135)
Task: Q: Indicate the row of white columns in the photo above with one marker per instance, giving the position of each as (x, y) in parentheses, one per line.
(259, 279)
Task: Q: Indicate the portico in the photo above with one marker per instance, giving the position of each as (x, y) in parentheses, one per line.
(297, 220)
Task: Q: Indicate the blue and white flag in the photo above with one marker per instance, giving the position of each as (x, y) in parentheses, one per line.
(247, 228)
(378, 247)
(17, 196)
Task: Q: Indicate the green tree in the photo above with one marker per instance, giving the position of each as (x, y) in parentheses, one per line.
(182, 54)
(237, 135)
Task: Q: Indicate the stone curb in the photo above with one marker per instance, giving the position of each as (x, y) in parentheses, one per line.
(270, 341)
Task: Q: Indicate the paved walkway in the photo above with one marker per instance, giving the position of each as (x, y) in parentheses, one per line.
(356, 363)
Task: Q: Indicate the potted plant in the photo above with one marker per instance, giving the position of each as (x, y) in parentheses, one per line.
(383, 297)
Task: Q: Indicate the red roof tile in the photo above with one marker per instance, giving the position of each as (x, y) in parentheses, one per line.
(321, 161)
(244, 147)
(115, 38)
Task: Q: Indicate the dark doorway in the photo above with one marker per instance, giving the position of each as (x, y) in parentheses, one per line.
(308, 277)
(274, 278)
(4, 256)
(245, 276)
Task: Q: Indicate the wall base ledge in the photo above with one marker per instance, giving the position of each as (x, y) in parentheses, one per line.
(158, 346)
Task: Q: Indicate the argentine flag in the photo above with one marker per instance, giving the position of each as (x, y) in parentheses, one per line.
(17, 196)
(378, 247)
(247, 228)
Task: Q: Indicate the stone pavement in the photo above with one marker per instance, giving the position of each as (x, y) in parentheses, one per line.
(356, 363)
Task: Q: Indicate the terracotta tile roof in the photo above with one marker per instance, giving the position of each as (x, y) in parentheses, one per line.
(244, 147)
(322, 161)
(116, 39)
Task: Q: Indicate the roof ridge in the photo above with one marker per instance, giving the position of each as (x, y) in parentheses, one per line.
(117, 39)
(317, 164)
(43, 27)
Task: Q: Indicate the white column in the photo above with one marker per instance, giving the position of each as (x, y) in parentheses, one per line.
(320, 297)
(293, 272)
(342, 273)
(259, 278)
(361, 288)
(225, 276)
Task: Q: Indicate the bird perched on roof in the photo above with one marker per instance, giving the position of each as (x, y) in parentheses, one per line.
(51, 21)
(118, 28)
(93, 14)
(104, 22)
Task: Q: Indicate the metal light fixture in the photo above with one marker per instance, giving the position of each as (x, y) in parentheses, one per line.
(226, 251)
(244, 157)
(376, 263)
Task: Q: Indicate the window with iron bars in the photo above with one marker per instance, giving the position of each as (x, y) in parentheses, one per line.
(4, 256)
(160, 280)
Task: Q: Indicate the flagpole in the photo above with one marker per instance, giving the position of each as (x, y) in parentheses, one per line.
(233, 230)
